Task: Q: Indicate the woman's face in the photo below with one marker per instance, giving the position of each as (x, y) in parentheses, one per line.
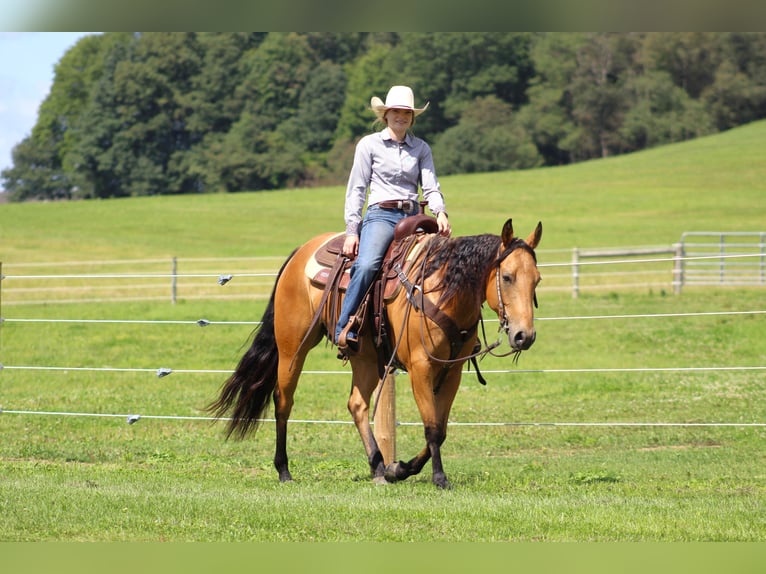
(398, 119)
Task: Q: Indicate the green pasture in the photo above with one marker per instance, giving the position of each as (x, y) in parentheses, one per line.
(640, 425)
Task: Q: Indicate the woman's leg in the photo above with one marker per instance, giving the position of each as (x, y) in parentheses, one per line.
(376, 235)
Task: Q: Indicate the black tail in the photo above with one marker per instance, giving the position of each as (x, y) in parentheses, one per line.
(248, 390)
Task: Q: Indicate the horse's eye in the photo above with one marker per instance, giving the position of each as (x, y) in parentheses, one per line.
(508, 279)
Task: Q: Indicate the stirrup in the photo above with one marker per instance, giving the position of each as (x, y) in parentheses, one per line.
(348, 340)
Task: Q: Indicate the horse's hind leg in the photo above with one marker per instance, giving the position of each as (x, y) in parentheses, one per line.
(294, 341)
(283, 405)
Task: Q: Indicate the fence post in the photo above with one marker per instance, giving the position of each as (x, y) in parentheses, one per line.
(575, 273)
(385, 417)
(722, 263)
(1, 307)
(678, 270)
(174, 282)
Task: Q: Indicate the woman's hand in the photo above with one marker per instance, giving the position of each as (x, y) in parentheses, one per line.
(442, 221)
(351, 246)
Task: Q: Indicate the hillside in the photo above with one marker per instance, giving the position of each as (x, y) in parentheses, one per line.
(715, 183)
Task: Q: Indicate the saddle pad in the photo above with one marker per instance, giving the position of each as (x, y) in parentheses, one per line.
(318, 266)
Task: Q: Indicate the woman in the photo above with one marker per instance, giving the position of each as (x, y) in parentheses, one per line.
(390, 164)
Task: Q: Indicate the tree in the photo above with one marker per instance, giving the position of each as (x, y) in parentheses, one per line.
(486, 139)
(661, 113)
(366, 77)
(548, 115)
(453, 69)
(690, 58)
(275, 75)
(93, 157)
(737, 94)
(142, 114)
(215, 104)
(598, 97)
(42, 168)
(35, 173)
(157, 113)
(212, 94)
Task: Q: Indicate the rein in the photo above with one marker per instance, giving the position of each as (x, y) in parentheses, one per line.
(457, 336)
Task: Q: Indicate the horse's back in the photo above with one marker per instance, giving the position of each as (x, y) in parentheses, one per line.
(304, 253)
(296, 299)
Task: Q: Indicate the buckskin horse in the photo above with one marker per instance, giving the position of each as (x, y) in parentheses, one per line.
(432, 327)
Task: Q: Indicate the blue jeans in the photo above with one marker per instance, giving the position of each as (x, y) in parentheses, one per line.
(375, 237)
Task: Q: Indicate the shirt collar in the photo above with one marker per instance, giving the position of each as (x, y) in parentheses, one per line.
(386, 135)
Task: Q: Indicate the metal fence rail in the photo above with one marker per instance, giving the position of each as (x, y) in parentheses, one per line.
(718, 266)
(700, 258)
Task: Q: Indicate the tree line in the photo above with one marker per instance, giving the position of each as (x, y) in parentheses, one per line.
(134, 114)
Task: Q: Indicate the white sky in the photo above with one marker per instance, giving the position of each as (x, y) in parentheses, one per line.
(26, 74)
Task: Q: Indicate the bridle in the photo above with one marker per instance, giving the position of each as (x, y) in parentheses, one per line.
(419, 302)
(501, 256)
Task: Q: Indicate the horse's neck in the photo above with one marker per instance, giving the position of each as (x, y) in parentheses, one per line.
(465, 309)
(475, 259)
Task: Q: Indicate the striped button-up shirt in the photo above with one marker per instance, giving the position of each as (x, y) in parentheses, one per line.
(392, 171)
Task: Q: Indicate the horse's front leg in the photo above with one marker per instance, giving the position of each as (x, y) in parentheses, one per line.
(435, 436)
(434, 443)
(364, 381)
(434, 403)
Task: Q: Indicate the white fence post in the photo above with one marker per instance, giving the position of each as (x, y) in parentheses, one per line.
(678, 268)
(174, 282)
(575, 273)
(1, 304)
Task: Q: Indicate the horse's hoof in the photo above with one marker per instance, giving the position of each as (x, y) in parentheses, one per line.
(285, 477)
(380, 480)
(442, 483)
(395, 472)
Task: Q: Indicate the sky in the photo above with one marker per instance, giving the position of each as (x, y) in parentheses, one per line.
(26, 74)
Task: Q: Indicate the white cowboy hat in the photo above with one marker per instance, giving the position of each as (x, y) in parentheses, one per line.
(399, 97)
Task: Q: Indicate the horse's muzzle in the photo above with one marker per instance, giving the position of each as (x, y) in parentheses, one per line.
(522, 340)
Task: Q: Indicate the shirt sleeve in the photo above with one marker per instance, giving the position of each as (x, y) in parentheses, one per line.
(356, 190)
(429, 182)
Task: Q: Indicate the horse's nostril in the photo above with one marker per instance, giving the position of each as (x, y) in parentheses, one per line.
(521, 340)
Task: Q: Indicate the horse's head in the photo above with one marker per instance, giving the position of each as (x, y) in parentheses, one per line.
(511, 287)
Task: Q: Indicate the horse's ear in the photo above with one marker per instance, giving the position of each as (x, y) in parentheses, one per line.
(534, 238)
(507, 235)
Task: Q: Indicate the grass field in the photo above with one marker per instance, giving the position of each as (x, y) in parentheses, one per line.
(602, 432)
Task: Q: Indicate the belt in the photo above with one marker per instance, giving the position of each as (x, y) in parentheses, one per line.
(403, 204)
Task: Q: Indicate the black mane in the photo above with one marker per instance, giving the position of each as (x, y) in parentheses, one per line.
(465, 262)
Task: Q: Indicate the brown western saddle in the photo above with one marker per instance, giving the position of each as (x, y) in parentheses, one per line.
(329, 269)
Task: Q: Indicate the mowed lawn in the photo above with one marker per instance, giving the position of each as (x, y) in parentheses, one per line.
(637, 416)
